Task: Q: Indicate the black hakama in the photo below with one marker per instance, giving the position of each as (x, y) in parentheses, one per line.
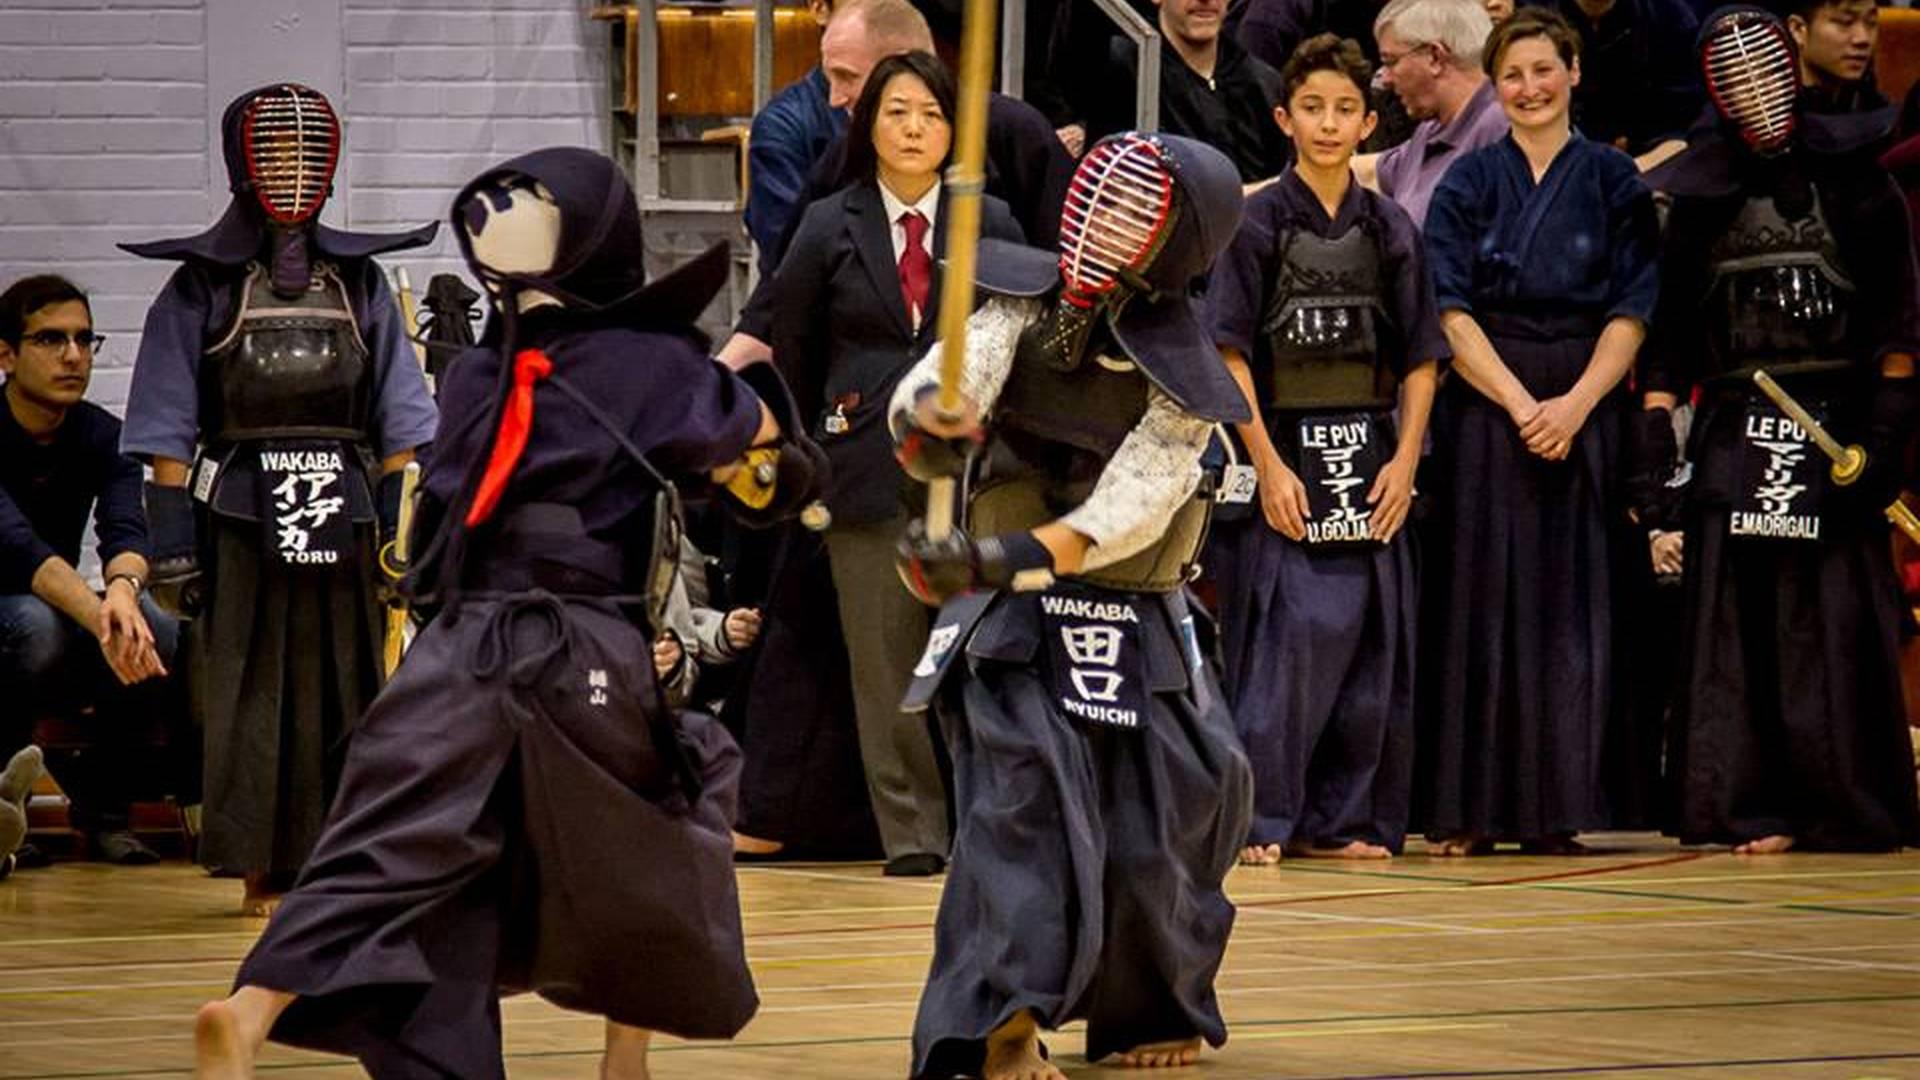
(1788, 715)
(461, 853)
(1086, 863)
(299, 648)
(1789, 719)
(286, 657)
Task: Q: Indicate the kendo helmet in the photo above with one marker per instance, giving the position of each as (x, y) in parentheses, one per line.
(565, 222)
(1752, 74)
(1185, 197)
(282, 146)
(1146, 212)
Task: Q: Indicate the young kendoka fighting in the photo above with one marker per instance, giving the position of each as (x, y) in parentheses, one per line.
(1100, 791)
(519, 809)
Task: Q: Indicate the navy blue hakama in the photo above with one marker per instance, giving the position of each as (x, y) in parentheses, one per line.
(1088, 859)
(1320, 670)
(456, 856)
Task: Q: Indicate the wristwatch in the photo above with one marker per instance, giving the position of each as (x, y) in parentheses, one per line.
(130, 578)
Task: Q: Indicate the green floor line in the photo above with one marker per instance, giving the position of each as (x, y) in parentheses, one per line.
(1828, 909)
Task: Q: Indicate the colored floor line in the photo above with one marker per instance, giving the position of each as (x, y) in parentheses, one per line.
(1651, 1066)
(1732, 902)
(1469, 883)
(1590, 871)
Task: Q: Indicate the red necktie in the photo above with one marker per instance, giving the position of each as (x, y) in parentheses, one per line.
(916, 265)
(516, 423)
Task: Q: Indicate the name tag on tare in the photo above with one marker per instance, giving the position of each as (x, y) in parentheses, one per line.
(1339, 458)
(1238, 485)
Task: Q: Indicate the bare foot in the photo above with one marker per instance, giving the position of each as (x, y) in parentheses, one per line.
(1013, 1053)
(626, 1056)
(1163, 1055)
(1260, 855)
(227, 1034)
(1460, 846)
(1356, 849)
(1766, 845)
(260, 898)
(754, 845)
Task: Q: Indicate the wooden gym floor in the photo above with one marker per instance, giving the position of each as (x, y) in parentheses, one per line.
(1644, 960)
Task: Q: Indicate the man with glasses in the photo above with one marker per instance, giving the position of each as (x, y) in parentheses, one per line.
(64, 647)
(1430, 59)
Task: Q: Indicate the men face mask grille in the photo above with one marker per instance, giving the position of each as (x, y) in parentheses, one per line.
(1753, 78)
(1116, 216)
(292, 143)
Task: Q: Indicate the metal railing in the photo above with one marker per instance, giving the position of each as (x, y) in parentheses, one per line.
(642, 18)
(1144, 35)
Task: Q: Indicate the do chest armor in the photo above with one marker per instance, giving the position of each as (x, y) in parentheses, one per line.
(1325, 325)
(288, 367)
(1057, 421)
(1781, 290)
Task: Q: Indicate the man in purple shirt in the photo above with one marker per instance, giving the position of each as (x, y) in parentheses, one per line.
(1430, 57)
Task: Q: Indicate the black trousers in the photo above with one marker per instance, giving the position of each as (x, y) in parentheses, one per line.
(51, 664)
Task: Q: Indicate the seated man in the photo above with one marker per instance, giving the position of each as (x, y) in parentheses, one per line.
(64, 647)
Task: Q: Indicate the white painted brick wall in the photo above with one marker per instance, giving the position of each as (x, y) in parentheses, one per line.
(439, 89)
(103, 138)
(107, 122)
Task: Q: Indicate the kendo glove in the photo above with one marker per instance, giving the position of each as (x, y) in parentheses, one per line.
(387, 504)
(924, 455)
(936, 571)
(1890, 431)
(173, 550)
(776, 482)
(1655, 458)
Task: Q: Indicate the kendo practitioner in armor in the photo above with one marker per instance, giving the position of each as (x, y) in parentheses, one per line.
(277, 398)
(1324, 312)
(1788, 251)
(1100, 792)
(520, 810)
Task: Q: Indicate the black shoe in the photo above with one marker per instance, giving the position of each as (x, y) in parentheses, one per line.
(122, 848)
(918, 864)
(29, 857)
